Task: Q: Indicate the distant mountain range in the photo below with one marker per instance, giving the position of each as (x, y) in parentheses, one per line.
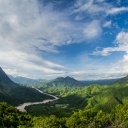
(89, 97)
(73, 92)
(15, 94)
(101, 82)
(27, 81)
(60, 81)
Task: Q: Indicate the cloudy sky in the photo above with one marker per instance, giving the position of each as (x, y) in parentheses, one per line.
(84, 39)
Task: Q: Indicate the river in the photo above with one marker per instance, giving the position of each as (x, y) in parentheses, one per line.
(22, 106)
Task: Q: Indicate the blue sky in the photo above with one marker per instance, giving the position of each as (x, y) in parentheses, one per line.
(84, 39)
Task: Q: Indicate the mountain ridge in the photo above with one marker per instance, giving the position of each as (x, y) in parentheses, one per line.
(31, 82)
(27, 81)
(64, 81)
(15, 94)
(4, 78)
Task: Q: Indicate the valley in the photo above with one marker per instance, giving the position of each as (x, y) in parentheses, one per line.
(22, 106)
(64, 102)
(16, 94)
(63, 63)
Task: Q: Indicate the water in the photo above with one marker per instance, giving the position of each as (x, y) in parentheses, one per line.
(22, 106)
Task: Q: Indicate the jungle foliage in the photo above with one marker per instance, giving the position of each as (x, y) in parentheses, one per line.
(117, 117)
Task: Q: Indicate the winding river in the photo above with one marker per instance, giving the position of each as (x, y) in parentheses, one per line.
(22, 106)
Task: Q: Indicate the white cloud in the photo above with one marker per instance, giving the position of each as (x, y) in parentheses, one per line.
(121, 45)
(92, 30)
(124, 64)
(26, 29)
(90, 8)
(24, 24)
(98, 71)
(113, 11)
(99, 7)
(121, 42)
(83, 7)
(17, 63)
(107, 24)
(122, 38)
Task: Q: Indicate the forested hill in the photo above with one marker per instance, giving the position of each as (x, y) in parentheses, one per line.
(94, 96)
(63, 81)
(15, 94)
(101, 82)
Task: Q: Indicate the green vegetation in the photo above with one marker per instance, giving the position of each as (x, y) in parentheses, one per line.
(12, 118)
(61, 81)
(117, 117)
(95, 97)
(91, 106)
(48, 109)
(16, 94)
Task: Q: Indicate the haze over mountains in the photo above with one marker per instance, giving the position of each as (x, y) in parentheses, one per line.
(27, 81)
(60, 80)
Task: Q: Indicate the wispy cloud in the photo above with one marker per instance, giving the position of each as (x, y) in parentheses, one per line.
(17, 63)
(113, 11)
(23, 23)
(92, 30)
(99, 7)
(107, 24)
(28, 30)
(23, 28)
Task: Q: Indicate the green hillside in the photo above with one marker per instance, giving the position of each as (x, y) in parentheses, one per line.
(95, 97)
(93, 106)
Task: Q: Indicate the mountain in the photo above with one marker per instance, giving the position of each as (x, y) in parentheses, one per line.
(101, 82)
(116, 118)
(27, 81)
(93, 97)
(105, 97)
(15, 94)
(4, 78)
(123, 80)
(64, 81)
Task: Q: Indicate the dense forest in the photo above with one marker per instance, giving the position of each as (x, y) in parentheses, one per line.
(117, 117)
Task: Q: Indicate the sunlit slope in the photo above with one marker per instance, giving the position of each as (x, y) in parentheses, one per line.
(95, 96)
